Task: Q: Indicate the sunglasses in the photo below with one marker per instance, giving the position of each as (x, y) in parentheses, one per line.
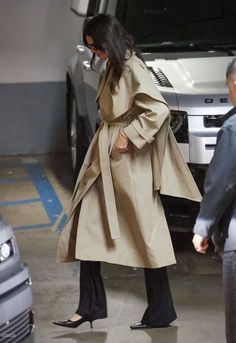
(93, 47)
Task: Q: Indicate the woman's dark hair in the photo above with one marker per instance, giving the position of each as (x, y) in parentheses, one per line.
(231, 68)
(111, 37)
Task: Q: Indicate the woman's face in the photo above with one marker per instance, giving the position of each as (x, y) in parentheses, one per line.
(99, 53)
(231, 83)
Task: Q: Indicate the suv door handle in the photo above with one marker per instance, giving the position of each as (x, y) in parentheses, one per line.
(86, 65)
(80, 49)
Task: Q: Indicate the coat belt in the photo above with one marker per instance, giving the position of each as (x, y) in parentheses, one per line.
(109, 195)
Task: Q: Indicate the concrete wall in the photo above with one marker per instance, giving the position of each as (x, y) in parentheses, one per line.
(37, 38)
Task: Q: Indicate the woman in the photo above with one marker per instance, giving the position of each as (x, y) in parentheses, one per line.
(116, 214)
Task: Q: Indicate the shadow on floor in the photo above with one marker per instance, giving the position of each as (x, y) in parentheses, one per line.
(165, 335)
(88, 337)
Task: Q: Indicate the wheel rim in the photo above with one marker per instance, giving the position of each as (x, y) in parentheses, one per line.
(73, 135)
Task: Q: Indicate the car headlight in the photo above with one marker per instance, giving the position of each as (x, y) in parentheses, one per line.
(179, 125)
(5, 251)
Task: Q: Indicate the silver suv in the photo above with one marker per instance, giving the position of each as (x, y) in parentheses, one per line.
(187, 46)
(16, 317)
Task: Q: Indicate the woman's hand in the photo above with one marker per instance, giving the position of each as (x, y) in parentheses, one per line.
(122, 143)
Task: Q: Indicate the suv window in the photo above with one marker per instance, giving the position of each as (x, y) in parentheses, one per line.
(153, 22)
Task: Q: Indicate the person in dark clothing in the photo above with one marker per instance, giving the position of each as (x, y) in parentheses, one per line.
(217, 215)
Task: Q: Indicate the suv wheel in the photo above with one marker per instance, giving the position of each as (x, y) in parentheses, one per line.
(73, 135)
(78, 131)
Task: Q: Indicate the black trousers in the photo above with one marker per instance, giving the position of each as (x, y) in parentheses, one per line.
(93, 304)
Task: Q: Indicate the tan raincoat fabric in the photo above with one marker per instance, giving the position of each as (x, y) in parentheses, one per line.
(116, 214)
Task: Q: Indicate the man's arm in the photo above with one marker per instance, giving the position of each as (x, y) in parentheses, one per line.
(220, 188)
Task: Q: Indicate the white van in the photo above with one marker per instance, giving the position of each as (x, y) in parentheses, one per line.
(187, 46)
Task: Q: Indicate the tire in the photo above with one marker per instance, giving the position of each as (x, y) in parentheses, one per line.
(79, 135)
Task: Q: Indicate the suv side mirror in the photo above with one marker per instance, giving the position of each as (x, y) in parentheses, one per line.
(85, 8)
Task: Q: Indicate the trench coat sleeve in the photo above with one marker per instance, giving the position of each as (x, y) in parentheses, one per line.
(142, 130)
(220, 184)
(142, 95)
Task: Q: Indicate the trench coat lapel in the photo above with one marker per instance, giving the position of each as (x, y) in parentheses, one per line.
(101, 85)
(104, 80)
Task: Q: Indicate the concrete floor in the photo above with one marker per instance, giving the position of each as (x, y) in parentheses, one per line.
(195, 279)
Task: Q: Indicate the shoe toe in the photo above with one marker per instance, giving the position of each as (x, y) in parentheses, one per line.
(141, 326)
(62, 322)
(137, 326)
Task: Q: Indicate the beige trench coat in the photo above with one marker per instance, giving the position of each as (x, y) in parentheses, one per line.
(116, 214)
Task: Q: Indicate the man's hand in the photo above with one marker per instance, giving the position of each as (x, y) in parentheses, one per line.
(200, 243)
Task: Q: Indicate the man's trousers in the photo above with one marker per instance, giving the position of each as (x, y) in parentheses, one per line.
(229, 282)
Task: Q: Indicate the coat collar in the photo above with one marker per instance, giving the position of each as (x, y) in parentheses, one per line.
(104, 78)
(107, 73)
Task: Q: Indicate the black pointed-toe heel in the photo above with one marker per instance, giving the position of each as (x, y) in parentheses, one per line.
(73, 323)
(141, 326)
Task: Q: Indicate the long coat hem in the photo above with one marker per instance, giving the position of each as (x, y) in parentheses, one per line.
(127, 264)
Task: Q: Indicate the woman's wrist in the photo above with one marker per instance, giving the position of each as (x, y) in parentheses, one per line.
(123, 134)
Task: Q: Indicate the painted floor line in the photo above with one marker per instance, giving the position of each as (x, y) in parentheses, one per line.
(46, 192)
(34, 226)
(47, 195)
(14, 180)
(19, 202)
